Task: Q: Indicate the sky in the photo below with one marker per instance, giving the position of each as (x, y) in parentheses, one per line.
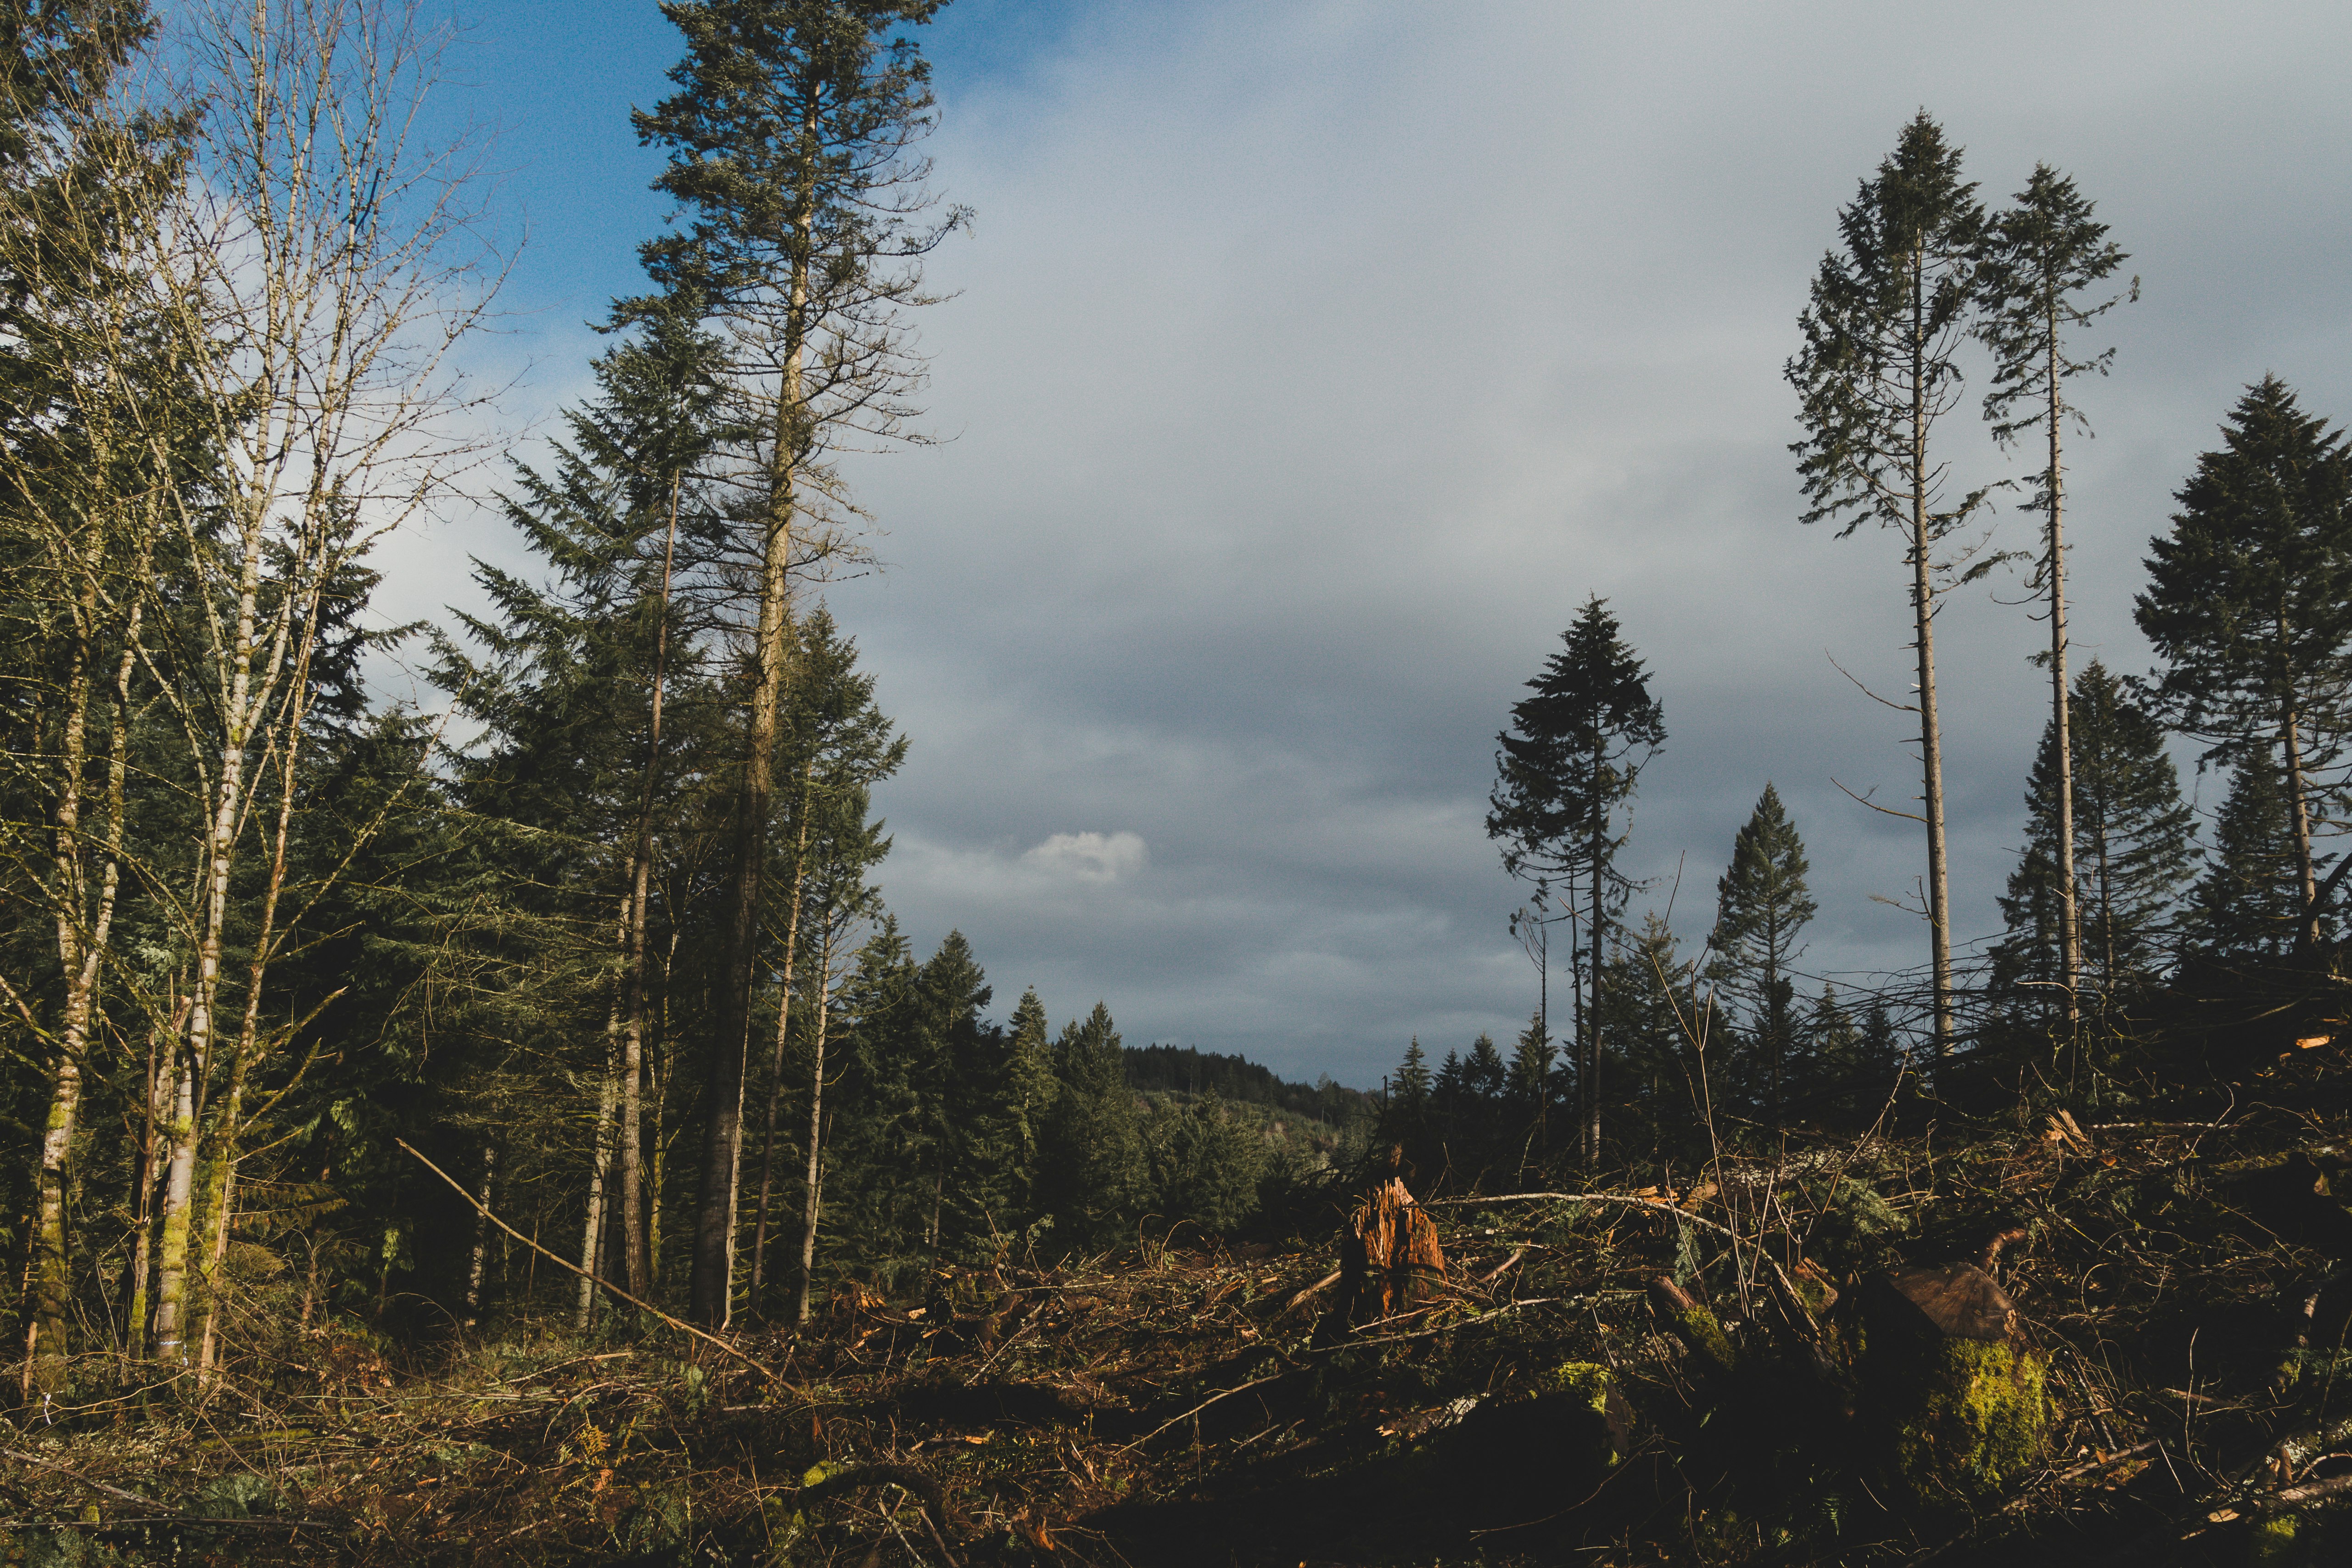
(1308, 366)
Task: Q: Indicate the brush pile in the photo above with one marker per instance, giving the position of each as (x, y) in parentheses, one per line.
(2021, 1337)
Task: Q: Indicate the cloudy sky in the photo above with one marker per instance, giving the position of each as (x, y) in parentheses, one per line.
(1310, 363)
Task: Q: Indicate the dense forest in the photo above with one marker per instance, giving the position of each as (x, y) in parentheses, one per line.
(357, 1046)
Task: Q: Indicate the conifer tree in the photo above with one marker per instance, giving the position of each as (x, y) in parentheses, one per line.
(1651, 1012)
(1530, 1089)
(1762, 908)
(1878, 369)
(1484, 1074)
(1095, 1174)
(2248, 904)
(2133, 848)
(1206, 1164)
(2039, 254)
(2249, 604)
(1571, 759)
(790, 144)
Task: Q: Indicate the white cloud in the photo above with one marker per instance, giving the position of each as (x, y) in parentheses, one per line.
(1090, 857)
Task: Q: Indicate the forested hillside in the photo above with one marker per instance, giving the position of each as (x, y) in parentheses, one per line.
(529, 1090)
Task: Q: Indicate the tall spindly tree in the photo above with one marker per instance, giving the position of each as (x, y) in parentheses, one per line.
(791, 143)
(2041, 258)
(2249, 604)
(1762, 906)
(1879, 367)
(1568, 763)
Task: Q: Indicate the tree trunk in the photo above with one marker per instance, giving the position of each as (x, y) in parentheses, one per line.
(711, 1295)
(1592, 1043)
(784, 1021)
(592, 1236)
(481, 1234)
(813, 1208)
(635, 1268)
(2070, 923)
(2306, 936)
(1923, 602)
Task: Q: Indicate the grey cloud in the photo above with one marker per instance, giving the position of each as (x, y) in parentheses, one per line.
(1309, 366)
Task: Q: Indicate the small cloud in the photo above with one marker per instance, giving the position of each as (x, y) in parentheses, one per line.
(1089, 857)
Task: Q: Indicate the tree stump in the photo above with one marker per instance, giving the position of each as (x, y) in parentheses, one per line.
(1389, 1256)
(1952, 1392)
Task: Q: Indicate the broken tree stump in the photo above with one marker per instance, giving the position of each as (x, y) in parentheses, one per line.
(1389, 1260)
(1953, 1396)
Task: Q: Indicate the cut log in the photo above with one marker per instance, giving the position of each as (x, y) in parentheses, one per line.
(1389, 1260)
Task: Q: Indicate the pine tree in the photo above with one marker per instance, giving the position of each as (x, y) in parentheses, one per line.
(1483, 1073)
(789, 142)
(2250, 605)
(2039, 255)
(1096, 1174)
(1567, 763)
(1532, 1088)
(2133, 848)
(1878, 369)
(2247, 905)
(1762, 906)
(1651, 1012)
(1206, 1164)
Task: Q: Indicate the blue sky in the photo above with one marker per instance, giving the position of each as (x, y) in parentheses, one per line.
(1310, 363)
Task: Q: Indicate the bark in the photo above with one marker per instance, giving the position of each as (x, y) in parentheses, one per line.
(2299, 803)
(784, 1023)
(637, 1271)
(1592, 1068)
(240, 710)
(2070, 924)
(1923, 603)
(711, 1296)
(608, 1099)
(481, 1234)
(157, 1107)
(81, 949)
(813, 1206)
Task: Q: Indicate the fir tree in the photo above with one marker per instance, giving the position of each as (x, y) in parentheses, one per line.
(2247, 904)
(1762, 906)
(1569, 761)
(973, 1110)
(1878, 369)
(1206, 1164)
(1648, 1009)
(1483, 1073)
(789, 143)
(2040, 255)
(1532, 1088)
(2250, 605)
(2133, 848)
(1096, 1174)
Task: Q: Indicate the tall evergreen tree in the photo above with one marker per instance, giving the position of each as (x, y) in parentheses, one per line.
(2248, 903)
(1530, 1089)
(1095, 1174)
(1762, 909)
(2133, 843)
(1568, 763)
(1652, 1013)
(1206, 1164)
(2249, 604)
(790, 145)
(2040, 255)
(1878, 369)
